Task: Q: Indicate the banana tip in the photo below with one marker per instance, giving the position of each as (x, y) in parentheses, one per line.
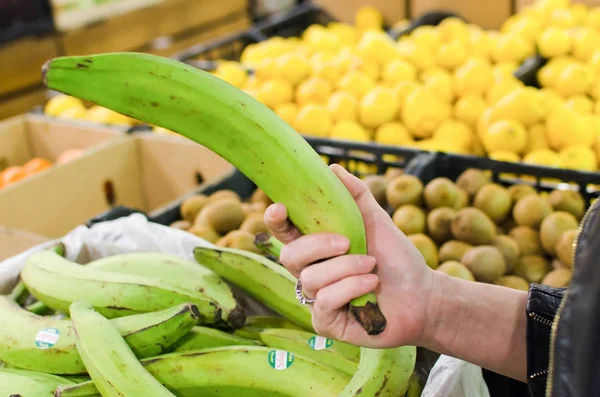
(45, 69)
(370, 317)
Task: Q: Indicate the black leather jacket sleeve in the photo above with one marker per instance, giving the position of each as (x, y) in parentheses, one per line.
(542, 305)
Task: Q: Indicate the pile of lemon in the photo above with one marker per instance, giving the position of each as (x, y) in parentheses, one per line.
(70, 108)
(448, 88)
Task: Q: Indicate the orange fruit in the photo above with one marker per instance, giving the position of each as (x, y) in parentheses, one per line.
(11, 175)
(36, 165)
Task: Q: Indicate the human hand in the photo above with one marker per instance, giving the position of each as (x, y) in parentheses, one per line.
(393, 268)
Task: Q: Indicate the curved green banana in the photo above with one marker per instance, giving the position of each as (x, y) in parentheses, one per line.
(204, 338)
(46, 344)
(255, 324)
(113, 295)
(415, 386)
(22, 383)
(237, 371)
(236, 126)
(113, 367)
(262, 279)
(176, 271)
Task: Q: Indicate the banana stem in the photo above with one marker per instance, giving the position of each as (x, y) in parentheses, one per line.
(39, 308)
(268, 244)
(19, 294)
(60, 249)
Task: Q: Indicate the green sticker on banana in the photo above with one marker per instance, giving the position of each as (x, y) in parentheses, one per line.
(320, 343)
(280, 359)
(47, 338)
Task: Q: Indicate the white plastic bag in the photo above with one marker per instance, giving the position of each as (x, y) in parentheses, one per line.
(451, 377)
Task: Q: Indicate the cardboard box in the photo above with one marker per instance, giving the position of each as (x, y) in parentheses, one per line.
(489, 14)
(344, 10)
(142, 171)
(15, 241)
(24, 102)
(520, 4)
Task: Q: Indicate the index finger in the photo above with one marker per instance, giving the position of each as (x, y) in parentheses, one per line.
(276, 219)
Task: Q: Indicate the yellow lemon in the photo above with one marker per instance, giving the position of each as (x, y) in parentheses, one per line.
(323, 41)
(276, 91)
(580, 12)
(376, 46)
(505, 135)
(453, 29)
(356, 83)
(287, 111)
(392, 133)
(404, 89)
(597, 107)
(313, 90)
(469, 108)
(510, 47)
(313, 120)
(473, 77)
(427, 73)
(594, 61)
(526, 26)
(550, 99)
(312, 31)
(366, 65)
(232, 72)
(397, 70)
(562, 17)
(536, 138)
(441, 84)
(484, 122)
(580, 104)
(592, 19)
(420, 56)
(346, 33)
(349, 130)
(576, 78)
(252, 82)
(500, 89)
(342, 106)
(265, 69)
(477, 147)
(61, 103)
(451, 55)
(319, 58)
(327, 71)
(554, 42)
(423, 112)
(524, 105)
(565, 127)
(378, 106)
(504, 70)
(549, 73)
(74, 113)
(543, 157)
(426, 36)
(594, 121)
(103, 115)
(292, 68)
(251, 55)
(503, 155)
(585, 42)
(454, 131)
(480, 44)
(578, 157)
(367, 18)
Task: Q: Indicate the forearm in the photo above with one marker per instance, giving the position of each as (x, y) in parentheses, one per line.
(480, 323)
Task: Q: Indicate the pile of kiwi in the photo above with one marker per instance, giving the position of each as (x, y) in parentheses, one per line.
(478, 230)
(224, 219)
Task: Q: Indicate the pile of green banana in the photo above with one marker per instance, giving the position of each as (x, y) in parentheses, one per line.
(113, 301)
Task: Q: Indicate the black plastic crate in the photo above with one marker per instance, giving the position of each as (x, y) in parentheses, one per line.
(294, 22)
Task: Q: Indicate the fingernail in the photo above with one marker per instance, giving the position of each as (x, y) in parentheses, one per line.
(339, 243)
(368, 278)
(271, 210)
(367, 262)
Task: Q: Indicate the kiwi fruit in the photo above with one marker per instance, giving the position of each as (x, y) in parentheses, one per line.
(472, 180)
(531, 211)
(404, 189)
(427, 248)
(514, 282)
(392, 173)
(564, 247)
(377, 185)
(254, 224)
(494, 200)
(182, 225)
(191, 206)
(553, 227)
(485, 262)
(567, 201)
(532, 268)
(259, 196)
(440, 192)
(453, 250)
(410, 219)
(439, 224)
(456, 269)
(223, 216)
(517, 192)
(224, 194)
(528, 240)
(462, 199)
(558, 278)
(473, 226)
(239, 239)
(509, 249)
(205, 232)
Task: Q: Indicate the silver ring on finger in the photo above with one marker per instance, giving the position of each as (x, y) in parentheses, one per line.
(300, 295)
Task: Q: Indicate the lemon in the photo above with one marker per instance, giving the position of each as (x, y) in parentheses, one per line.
(426, 36)
(477, 147)
(276, 91)
(378, 106)
(367, 18)
(543, 157)
(232, 72)
(554, 42)
(319, 58)
(74, 113)
(562, 17)
(427, 73)
(442, 85)
(404, 89)
(313, 120)
(61, 103)
(342, 106)
(565, 127)
(524, 105)
(480, 44)
(287, 111)
(346, 33)
(103, 115)
(549, 73)
(505, 135)
(251, 55)
(356, 83)
(453, 28)
(585, 42)
(469, 108)
(597, 107)
(580, 104)
(292, 68)
(323, 41)
(397, 70)
(592, 19)
(420, 56)
(366, 65)
(313, 90)
(451, 55)
(576, 78)
(594, 61)
(349, 130)
(580, 12)
(525, 26)
(510, 47)
(377, 46)
(264, 69)
(504, 70)
(327, 71)
(473, 77)
(503, 155)
(550, 99)
(392, 133)
(500, 89)
(484, 122)
(578, 157)
(423, 112)
(252, 82)
(312, 31)
(536, 138)
(454, 131)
